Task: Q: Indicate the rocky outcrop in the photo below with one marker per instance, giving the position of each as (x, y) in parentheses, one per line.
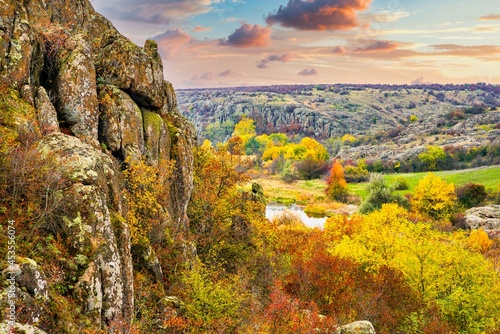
(358, 327)
(20, 328)
(485, 217)
(101, 102)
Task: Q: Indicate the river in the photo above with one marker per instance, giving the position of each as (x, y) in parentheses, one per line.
(275, 210)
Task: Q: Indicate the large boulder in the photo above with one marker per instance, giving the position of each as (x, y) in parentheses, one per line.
(121, 124)
(76, 89)
(485, 217)
(138, 71)
(16, 327)
(46, 112)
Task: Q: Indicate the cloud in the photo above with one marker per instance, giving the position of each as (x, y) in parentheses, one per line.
(171, 41)
(378, 46)
(226, 73)
(386, 16)
(248, 36)
(479, 51)
(419, 81)
(340, 49)
(263, 63)
(366, 47)
(201, 29)
(153, 11)
(491, 17)
(308, 71)
(319, 14)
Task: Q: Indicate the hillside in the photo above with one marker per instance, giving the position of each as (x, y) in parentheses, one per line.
(388, 122)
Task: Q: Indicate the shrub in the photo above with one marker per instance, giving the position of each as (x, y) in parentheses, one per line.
(356, 174)
(401, 184)
(380, 193)
(471, 194)
(289, 173)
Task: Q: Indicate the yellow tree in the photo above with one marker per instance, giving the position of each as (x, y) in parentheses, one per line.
(245, 129)
(434, 197)
(336, 187)
(439, 266)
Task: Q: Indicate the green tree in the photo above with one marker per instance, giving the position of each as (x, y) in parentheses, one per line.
(379, 193)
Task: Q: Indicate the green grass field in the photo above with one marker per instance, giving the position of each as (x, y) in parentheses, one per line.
(312, 191)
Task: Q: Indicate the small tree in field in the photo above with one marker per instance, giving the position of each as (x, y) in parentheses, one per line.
(434, 197)
(336, 185)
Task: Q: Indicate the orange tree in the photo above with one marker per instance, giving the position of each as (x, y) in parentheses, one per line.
(336, 185)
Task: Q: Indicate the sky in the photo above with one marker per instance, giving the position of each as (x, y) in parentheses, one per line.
(229, 43)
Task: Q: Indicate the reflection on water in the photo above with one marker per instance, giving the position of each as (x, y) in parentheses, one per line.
(275, 210)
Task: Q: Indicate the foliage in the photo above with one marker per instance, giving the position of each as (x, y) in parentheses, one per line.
(471, 194)
(245, 129)
(433, 157)
(379, 193)
(434, 197)
(462, 284)
(210, 305)
(146, 193)
(336, 185)
(289, 173)
(401, 184)
(356, 174)
(221, 215)
(219, 132)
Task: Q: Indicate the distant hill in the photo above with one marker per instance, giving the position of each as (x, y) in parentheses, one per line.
(388, 121)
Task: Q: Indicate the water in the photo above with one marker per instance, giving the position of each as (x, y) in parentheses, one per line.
(275, 210)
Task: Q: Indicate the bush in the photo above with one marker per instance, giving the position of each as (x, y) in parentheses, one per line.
(289, 173)
(356, 174)
(471, 194)
(380, 193)
(401, 184)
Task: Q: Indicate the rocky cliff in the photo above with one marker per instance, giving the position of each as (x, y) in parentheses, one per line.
(379, 116)
(95, 103)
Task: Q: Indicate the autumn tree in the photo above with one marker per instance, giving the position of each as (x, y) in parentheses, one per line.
(220, 213)
(336, 185)
(434, 197)
(433, 157)
(245, 129)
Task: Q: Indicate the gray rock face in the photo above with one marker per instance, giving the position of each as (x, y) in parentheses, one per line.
(136, 70)
(102, 285)
(120, 122)
(485, 217)
(76, 90)
(100, 99)
(358, 327)
(47, 114)
(20, 328)
(33, 280)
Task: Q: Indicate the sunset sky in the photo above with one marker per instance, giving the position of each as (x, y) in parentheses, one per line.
(217, 43)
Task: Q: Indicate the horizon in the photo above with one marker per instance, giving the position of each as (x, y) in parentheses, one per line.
(236, 43)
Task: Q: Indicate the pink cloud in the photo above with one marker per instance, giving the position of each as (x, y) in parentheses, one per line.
(201, 29)
(263, 63)
(249, 36)
(319, 14)
(171, 41)
(308, 71)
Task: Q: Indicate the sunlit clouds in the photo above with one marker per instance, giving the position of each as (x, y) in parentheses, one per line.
(212, 43)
